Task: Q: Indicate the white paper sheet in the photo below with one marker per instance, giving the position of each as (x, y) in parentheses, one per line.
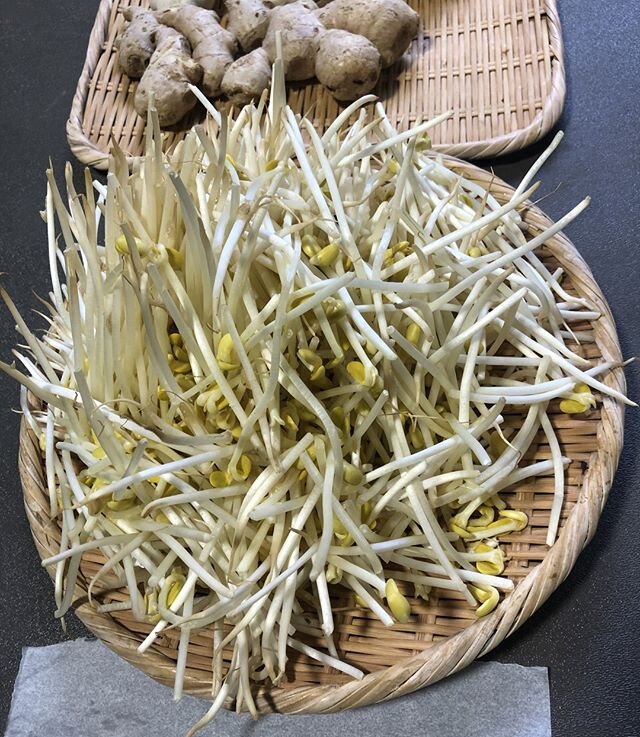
(81, 689)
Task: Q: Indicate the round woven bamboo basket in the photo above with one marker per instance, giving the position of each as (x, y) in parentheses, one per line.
(443, 635)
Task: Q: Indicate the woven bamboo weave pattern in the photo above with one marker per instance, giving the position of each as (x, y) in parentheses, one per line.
(497, 65)
(443, 634)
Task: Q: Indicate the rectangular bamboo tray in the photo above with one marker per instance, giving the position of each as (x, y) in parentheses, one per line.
(496, 64)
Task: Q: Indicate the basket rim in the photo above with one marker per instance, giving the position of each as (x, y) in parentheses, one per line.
(456, 652)
(87, 152)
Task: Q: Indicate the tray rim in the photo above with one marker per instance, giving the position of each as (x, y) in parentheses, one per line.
(445, 657)
(88, 153)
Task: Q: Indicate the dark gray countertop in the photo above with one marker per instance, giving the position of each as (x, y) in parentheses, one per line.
(588, 633)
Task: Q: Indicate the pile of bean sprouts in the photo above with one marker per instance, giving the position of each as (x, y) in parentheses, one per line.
(276, 363)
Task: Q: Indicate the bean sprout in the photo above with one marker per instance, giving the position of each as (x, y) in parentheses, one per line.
(274, 368)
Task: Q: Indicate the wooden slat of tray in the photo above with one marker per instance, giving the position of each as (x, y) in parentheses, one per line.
(496, 64)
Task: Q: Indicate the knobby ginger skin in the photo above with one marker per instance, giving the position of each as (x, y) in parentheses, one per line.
(167, 78)
(344, 44)
(213, 47)
(347, 65)
(390, 25)
(247, 77)
(248, 20)
(300, 32)
(136, 43)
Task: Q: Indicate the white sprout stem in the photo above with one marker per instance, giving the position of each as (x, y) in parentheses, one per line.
(148, 473)
(370, 600)
(558, 476)
(326, 659)
(89, 545)
(275, 582)
(443, 446)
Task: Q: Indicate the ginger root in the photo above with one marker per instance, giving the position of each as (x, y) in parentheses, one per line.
(213, 46)
(344, 43)
(247, 78)
(347, 65)
(390, 25)
(137, 42)
(301, 32)
(248, 21)
(167, 78)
